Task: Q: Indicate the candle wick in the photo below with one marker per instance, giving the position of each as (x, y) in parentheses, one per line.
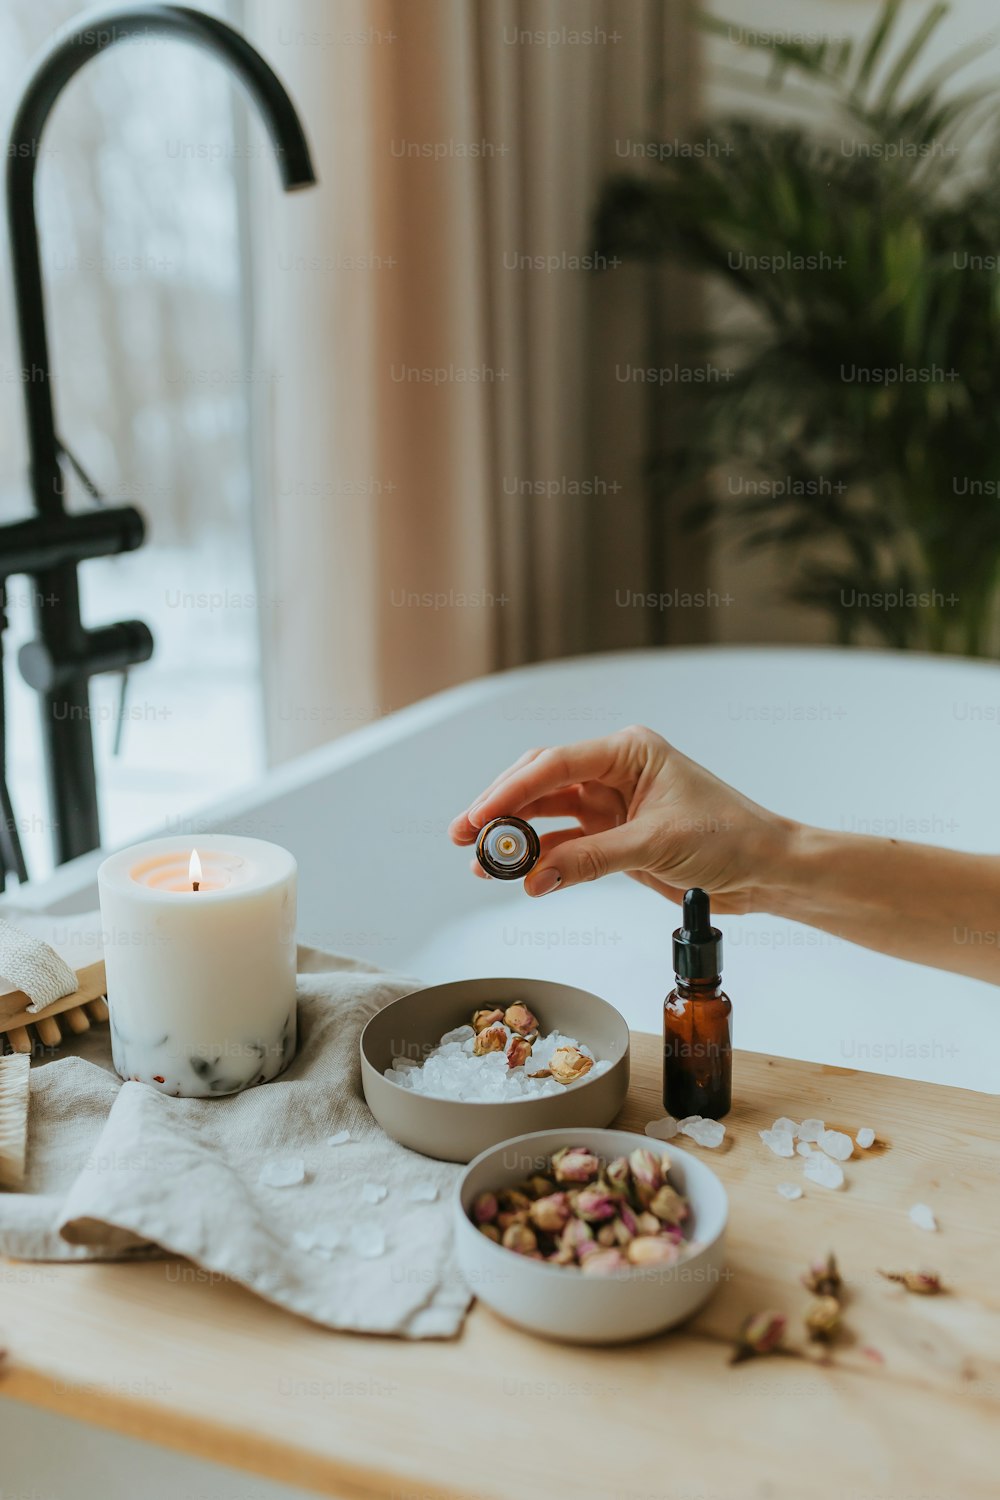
(196, 885)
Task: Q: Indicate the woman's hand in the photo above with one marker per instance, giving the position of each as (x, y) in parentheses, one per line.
(641, 807)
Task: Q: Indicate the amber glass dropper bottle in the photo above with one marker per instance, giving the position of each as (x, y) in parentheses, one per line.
(697, 1019)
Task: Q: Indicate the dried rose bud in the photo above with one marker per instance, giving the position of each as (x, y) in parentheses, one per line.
(563, 1256)
(509, 1216)
(623, 1234)
(606, 1235)
(550, 1213)
(668, 1205)
(823, 1278)
(513, 1197)
(519, 1018)
(540, 1186)
(652, 1251)
(542, 1073)
(647, 1223)
(647, 1174)
(493, 1039)
(594, 1205)
(576, 1236)
(823, 1319)
(518, 1052)
(761, 1333)
(924, 1283)
(491, 1232)
(484, 1210)
(567, 1064)
(617, 1174)
(604, 1262)
(484, 1018)
(520, 1238)
(575, 1164)
(628, 1220)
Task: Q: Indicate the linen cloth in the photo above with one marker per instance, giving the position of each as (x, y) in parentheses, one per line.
(118, 1170)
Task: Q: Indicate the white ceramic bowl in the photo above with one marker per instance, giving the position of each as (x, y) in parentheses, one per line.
(561, 1303)
(455, 1130)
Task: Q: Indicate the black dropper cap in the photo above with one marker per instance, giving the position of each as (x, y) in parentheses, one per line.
(697, 944)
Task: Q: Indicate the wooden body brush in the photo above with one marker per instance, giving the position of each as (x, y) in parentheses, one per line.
(73, 1012)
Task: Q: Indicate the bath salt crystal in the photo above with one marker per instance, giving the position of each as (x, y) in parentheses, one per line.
(305, 1239)
(786, 1124)
(373, 1192)
(340, 1139)
(778, 1141)
(423, 1192)
(824, 1170)
(367, 1240)
(789, 1190)
(283, 1171)
(811, 1130)
(703, 1132)
(865, 1137)
(803, 1148)
(663, 1130)
(451, 1070)
(836, 1144)
(923, 1216)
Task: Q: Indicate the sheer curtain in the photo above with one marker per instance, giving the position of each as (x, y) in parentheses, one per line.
(452, 473)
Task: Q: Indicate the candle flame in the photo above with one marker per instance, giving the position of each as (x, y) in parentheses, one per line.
(194, 869)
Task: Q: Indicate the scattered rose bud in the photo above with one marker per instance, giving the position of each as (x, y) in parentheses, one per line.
(540, 1186)
(484, 1210)
(606, 1235)
(668, 1205)
(595, 1205)
(491, 1232)
(823, 1319)
(493, 1039)
(761, 1333)
(520, 1019)
(924, 1283)
(520, 1238)
(628, 1219)
(823, 1278)
(575, 1164)
(567, 1064)
(604, 1263)
(652, 1251)
(562, 1257)
(484, 1018)
(576, 1235)
(550, 1213)
(647, 1174)
(518, 1052)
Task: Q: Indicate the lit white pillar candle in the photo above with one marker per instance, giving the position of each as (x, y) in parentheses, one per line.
(199, 947)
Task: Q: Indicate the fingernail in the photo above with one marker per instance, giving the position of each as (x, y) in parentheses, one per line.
(545, 881)
(475, 815)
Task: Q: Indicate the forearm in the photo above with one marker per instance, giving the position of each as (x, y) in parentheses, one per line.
(932, 906)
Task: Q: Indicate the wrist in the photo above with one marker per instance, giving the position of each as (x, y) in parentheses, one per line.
(783, 867)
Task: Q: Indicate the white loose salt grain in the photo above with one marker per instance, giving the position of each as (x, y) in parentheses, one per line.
(811, 1130)
(778, 1141)
(328, 1236)
(784, 1123)
(423, 1192)
(836, 1144)
(373, 1192)
(824, 1170)
(789, 1190)
(662, 1130)
(923, 1216)
(803, 1148)
(304, 1239)
(368, 1241)
(340, 1139)
(703, 1132)
(283, 1171)
(865, 1137)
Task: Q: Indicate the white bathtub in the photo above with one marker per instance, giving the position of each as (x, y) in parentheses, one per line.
(877, 742)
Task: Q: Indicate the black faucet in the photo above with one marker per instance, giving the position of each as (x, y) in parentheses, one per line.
(49, 545)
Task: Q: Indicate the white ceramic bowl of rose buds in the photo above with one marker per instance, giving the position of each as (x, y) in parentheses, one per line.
(591, 1236)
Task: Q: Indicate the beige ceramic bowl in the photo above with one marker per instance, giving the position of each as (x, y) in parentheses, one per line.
(457, 1131)
(561, 1303)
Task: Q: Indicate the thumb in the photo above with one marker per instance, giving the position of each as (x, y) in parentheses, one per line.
(586, 858)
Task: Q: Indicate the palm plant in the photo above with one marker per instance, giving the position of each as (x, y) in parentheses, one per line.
(868, 251)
